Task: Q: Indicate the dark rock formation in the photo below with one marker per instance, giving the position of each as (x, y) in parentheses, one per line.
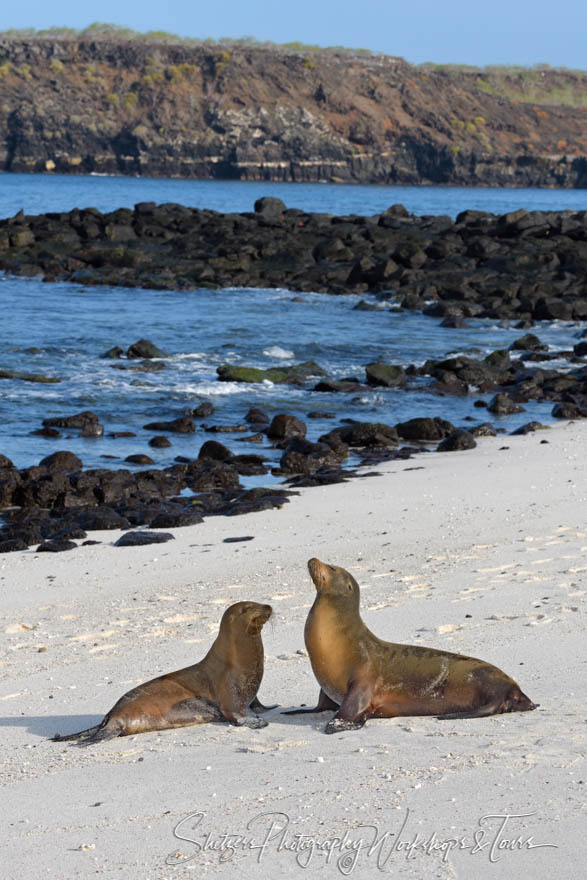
(284, 426)
(456, 441)
(528, 342)
(139, 539)
(61, 461)
(361, 434)
(502, 404)
(160, 442)
(144, 348)
(279, 375)
(425, 429)
(303, 457)
(535, 270)
(385, 374)
(57, 546)
(181, 425)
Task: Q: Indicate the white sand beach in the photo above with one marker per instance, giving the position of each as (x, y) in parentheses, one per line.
(481, 552)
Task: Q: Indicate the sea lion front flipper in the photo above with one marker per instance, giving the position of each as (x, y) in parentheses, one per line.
(353, 710)
(325, 704)
(246, 719)
(256, 706)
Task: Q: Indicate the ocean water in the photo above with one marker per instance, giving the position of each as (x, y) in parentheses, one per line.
(61, 330)
(38, 193)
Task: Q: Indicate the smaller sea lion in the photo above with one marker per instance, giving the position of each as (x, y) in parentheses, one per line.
(361, 676)
(221, 687)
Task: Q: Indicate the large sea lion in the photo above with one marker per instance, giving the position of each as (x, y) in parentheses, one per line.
(221, 687)
(361, 676)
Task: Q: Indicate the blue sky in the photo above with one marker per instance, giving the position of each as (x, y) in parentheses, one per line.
(459, 31)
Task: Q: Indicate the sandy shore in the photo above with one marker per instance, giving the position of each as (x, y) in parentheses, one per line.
(481, 552)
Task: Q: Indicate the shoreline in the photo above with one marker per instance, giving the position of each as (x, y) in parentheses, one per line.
(489, 533)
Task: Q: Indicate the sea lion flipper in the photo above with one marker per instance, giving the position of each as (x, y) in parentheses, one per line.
(252, 721)
(248, 719)
(353, 712)
(256, 706)
(515, 701)
(325, 704)
(193, 710)
(82, 734)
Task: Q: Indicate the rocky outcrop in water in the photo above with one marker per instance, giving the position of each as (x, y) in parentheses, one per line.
(56, 501)
(530, 266)
(234, 112)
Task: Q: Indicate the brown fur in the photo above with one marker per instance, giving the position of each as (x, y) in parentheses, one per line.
(221, 687)
(365, 677)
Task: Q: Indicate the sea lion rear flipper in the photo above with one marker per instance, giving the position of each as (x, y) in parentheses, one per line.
(82, 734)
(325, 704)
(108, 728)
(518, 702)
(193, 710)
(256, 706)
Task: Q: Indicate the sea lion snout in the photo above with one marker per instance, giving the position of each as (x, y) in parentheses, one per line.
(331, 580)
(316, 569)
(263, 613)
(258, 617)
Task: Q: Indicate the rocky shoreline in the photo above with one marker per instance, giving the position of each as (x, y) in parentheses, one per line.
(525, 266)
(57, 502)
(521, 267)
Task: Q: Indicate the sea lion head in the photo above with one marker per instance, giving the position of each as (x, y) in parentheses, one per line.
(250, 616)
(331, 581)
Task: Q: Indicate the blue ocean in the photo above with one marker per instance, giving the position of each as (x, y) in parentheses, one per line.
(61, 330)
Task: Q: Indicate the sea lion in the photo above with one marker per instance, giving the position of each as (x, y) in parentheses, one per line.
(221, 687)
(361, 676)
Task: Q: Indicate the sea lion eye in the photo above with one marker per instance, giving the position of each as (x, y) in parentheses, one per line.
(350, 586)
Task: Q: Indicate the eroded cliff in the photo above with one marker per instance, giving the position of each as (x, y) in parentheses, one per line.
(256, 114)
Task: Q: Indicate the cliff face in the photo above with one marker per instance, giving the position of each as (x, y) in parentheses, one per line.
(258, 114)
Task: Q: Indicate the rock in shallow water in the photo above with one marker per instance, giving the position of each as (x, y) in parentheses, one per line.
(284, 426)
(502, 405)
(385, 375)
(144, 348)
(457, 441)
(425, 429)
